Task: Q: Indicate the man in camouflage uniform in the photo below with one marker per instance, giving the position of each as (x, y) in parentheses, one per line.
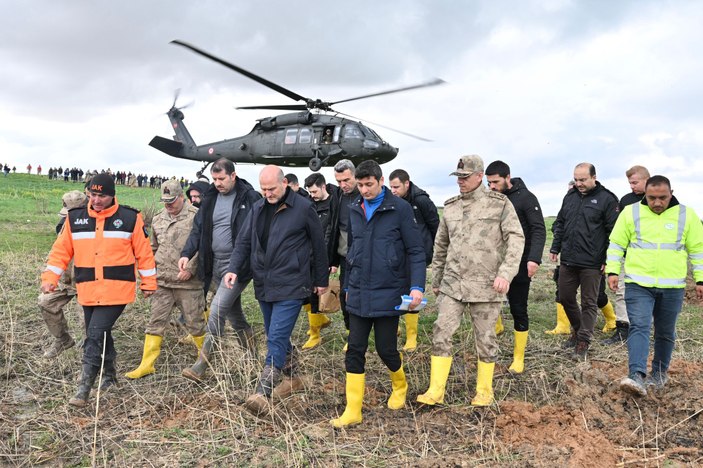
(477, 252)
(170, 230)
(52, 304)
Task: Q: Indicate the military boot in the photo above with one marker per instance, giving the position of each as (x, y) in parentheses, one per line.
(196, 372)
(85, 384)
(58, 346)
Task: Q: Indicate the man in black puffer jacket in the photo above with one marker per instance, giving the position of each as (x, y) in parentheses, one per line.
(532, 221)
(587, 215)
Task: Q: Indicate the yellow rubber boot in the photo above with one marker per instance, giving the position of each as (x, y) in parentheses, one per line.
(609, 314)
(484, 384)
(400, 389)
(411, 321)
(152, 349)
(499, 326)
(518, 365)
(563, 325)
(439, 373)
(198, 340)
(355, 399)
(317, 323)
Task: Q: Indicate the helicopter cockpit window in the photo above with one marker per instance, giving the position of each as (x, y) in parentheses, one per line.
(352, 131)
(291, 136)
(305, 135)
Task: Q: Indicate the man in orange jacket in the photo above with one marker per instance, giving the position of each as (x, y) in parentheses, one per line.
(108, 244)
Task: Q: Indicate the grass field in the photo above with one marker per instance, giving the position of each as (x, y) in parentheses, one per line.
(557, 413)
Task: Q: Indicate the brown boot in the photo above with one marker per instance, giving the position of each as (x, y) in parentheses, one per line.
(258, 404)
(58, 346)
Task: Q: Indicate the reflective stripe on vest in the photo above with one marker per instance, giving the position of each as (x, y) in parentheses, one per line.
(658, 281)
(651, 245)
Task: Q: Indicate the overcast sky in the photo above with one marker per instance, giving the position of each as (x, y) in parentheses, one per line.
(541, 85)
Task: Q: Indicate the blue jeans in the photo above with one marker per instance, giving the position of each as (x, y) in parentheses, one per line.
(279, 320)
(227, 303)
(643, 305)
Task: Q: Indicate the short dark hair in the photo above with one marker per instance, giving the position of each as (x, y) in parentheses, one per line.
(316, 179)
(498, 167)
(291, 178)
(591, 168)
(400, 174)
(368, 168)
(658, 180)
(223, 164)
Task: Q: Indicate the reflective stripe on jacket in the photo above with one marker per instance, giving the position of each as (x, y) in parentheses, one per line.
(108, 248)
(657, 246)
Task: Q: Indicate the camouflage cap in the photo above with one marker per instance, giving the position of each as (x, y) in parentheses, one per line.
(170, 190)
(467, 165)
(71, 200)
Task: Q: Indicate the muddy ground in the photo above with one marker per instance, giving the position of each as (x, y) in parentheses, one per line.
(558, 413)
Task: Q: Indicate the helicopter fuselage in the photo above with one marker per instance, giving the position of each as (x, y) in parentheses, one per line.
(292, 140)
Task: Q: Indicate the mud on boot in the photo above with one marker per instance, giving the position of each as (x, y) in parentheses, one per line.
(196, 372)
(291, 382)
(109, 379)
(88, 375)
(58, 346)
(259, 402)
(634, 384)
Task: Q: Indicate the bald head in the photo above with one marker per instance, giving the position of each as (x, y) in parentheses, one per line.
(273, 184)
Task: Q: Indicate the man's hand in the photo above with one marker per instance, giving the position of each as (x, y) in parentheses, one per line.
(417, 298)
(320, 290)
(184, 275)
(182, 263)
(501, 285)
(532, 268)
(699, 291)
(613, 283)
(230, 279)
(147, 293)
(333, 270)
(553, 257)
(46, 288)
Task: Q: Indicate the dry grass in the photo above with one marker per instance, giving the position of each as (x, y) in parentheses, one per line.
(555, 413)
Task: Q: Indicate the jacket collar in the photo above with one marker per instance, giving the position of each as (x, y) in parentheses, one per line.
(106, 213)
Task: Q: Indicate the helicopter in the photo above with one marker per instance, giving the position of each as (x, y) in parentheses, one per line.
(315, 135)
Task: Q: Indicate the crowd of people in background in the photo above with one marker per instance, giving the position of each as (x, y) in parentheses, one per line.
(76, 174)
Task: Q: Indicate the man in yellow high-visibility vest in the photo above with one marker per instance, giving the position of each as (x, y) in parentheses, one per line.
(659, 235)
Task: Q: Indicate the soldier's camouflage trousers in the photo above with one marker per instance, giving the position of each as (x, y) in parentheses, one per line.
(189, 301)
(483, 317)
(51, 306)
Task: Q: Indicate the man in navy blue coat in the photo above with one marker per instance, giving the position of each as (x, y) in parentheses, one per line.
(386, 260)
(282, 240)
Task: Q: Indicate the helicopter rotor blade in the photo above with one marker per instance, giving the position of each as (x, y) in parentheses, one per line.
(386, 127)
(248, 74)
(176, 93)
(300, 107)
(435, 82)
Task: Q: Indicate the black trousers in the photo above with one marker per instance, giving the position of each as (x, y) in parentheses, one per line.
(517, 298)
(386, 334)
(342, 295)
(99, 321)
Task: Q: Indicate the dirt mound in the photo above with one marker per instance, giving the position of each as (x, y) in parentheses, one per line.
(596, 424)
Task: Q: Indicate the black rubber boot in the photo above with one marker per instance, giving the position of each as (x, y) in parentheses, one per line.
(109, 376)
(196, 372)
(622, 330)
(88, 376)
